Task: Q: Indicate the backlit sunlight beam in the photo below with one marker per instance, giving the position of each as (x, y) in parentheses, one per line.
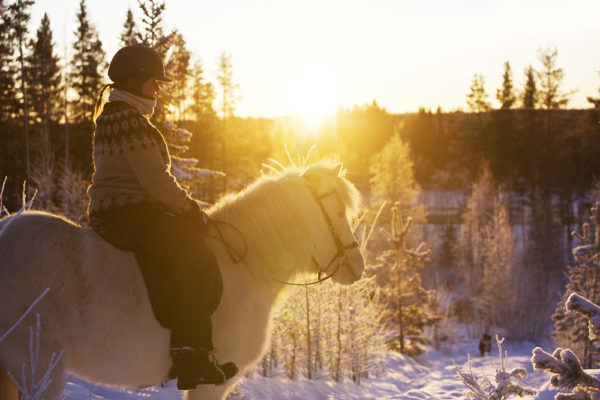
(311, 94)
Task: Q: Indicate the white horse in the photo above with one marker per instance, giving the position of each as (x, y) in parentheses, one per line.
(98, 311)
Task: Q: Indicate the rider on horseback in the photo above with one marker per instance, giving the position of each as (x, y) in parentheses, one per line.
(134, 193)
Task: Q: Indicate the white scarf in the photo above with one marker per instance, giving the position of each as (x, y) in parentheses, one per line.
(143, 105)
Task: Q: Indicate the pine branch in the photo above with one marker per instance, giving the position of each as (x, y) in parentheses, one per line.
(589, 310)
(567, 370)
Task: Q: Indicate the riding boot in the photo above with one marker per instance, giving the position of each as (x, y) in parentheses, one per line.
(198, 367)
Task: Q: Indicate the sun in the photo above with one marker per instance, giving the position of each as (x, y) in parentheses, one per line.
(311, 94)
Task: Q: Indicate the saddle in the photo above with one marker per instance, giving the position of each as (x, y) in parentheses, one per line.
(154, 261)
(110, 232)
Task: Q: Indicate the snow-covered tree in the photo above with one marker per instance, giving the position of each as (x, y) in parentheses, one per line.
(392, 180)
(496, 286)
(569, 375)
(486, 256)
(583, 279)
(468, 253)
(330, 330)
(184, 167)
(410, 312)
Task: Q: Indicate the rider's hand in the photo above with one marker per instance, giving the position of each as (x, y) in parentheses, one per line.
(197, 217)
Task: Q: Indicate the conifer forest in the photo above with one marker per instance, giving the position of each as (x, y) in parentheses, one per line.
(476, 222)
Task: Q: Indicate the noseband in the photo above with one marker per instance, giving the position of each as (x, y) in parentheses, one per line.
(340, 247)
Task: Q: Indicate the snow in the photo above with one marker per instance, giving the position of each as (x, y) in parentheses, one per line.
(433, 377)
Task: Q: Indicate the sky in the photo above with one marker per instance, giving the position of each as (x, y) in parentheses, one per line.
(312, 56)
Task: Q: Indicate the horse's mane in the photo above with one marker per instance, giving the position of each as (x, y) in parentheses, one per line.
(274, 215)
(277, 212)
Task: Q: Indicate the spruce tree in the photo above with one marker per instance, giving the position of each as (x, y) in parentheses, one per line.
(180, 70)
(393, 178)
(202, 94)
(477, 97)
(19, 15)
(411, 311)
(227, 87)
(228, 99)
(177, 138)
(506, 96)
(87, 66)
(8, 95)
(205, 139)
(551, 77)
(595, 101)
(44, 76)
(129, 34)
(152, 32)
(542, 257)
(529, 100)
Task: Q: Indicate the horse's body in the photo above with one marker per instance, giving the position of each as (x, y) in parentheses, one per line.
(98, 312)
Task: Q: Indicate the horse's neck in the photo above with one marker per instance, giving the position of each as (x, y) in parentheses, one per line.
(273, 232)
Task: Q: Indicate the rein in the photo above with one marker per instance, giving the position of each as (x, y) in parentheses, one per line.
(322, 276)
(233, 254)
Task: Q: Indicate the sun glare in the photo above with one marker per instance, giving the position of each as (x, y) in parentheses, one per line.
(311, 95)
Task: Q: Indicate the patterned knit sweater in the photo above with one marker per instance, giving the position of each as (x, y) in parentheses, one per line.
(131, 163)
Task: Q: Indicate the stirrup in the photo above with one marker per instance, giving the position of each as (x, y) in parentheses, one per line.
(199, 367)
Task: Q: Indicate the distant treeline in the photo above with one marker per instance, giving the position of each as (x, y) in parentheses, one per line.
(555, 150)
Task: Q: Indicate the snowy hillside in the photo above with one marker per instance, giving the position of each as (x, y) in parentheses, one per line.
(433, 377)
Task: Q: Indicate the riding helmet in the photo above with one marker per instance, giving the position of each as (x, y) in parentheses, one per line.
(136, 62)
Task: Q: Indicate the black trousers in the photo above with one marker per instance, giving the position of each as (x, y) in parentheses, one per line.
(181, 273)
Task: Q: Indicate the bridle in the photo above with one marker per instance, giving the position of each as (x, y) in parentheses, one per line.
(340, 247)
(322, 274)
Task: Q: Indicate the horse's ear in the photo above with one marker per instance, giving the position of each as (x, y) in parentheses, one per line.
(338, 169)
(321, 175)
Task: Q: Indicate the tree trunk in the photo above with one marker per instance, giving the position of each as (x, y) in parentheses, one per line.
(293, 362)
(24, 90)
(308, 338)
(338, 356)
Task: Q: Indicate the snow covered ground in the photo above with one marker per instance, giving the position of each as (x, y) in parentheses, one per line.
(433, 377)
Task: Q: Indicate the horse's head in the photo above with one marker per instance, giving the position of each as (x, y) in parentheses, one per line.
(336, 201)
